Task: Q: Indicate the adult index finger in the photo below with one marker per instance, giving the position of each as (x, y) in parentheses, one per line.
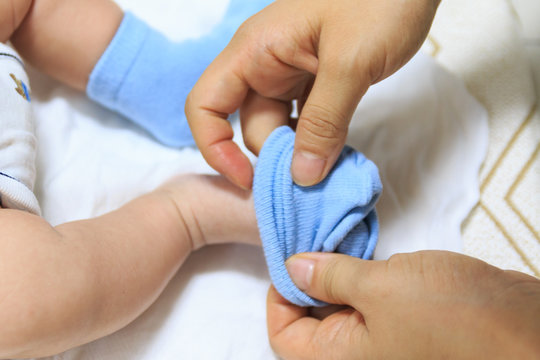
(219, 92)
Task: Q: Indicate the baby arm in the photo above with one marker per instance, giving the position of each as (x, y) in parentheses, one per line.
(12, 13)
(70, 284)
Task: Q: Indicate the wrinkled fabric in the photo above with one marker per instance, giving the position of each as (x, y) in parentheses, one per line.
(336, 215)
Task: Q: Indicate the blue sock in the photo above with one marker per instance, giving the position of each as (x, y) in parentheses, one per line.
(337, 215)
(146, 77)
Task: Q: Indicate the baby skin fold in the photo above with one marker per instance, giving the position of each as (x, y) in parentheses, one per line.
(64, 286)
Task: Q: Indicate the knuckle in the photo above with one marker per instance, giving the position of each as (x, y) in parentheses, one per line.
(330, 281)
(248, 28)
(322, 122)
(403, 265)
(396, 259)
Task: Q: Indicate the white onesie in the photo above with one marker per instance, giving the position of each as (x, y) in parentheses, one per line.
(17, 137)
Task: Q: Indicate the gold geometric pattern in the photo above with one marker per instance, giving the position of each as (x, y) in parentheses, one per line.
(513, 241)
(508, 146)
(510, 240)
(519, 179)
(498, 223)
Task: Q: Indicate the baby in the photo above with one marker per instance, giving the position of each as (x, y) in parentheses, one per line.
(70, 284)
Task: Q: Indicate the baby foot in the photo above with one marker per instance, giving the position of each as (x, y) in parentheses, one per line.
(213, 210)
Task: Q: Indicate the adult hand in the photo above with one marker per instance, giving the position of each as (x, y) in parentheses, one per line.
(323, 53)
(424, 305)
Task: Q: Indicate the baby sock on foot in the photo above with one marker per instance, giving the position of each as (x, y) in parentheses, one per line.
(337, 215)
(146, 77)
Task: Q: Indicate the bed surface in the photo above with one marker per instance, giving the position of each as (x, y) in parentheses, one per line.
(422, 126)
(494, 46)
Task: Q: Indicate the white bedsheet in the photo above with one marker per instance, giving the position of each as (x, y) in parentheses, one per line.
(422, 128)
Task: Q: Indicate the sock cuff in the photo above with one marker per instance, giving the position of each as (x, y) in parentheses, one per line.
(114, 65)
(337, 215)
(146, 77)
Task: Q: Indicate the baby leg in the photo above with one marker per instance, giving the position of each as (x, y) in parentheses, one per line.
(215, 210)
(70, 284)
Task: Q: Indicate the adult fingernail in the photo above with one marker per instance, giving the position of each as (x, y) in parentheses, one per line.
(307, 168)
(301, 271)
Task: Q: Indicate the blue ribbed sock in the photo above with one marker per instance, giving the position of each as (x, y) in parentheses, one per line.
(337, 215)
(146, 77)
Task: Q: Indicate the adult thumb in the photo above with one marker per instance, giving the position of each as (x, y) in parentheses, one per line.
(334, 278)
(324, 121)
